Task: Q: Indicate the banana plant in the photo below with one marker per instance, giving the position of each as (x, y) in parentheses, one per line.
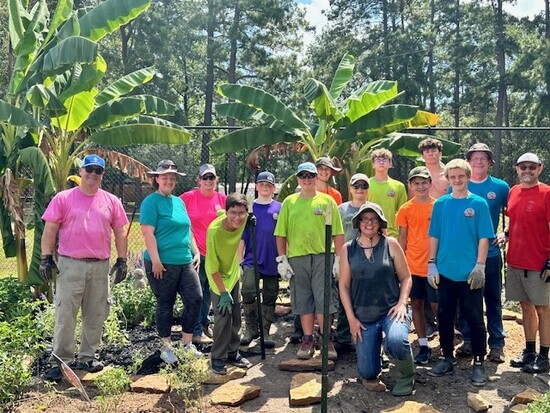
(55, 110)
(342, 128)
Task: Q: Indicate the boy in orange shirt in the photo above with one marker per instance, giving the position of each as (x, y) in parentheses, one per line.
(413, 219)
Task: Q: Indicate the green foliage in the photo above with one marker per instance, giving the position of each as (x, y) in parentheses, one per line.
(112, 385)
(14, 376)
(136, 306)
(541, 405)
(114, 328)
(12, 293)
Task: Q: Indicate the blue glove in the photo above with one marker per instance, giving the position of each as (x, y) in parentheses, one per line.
(225, 305)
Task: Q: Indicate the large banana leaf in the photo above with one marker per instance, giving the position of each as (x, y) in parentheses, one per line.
(321, 101)
(15, 116)
(79, 108)
(109, 16)
(343, 75)
(67, 53)
(63, 10)
(239, 111)
(138, 134)
(8, 240)
(84, 78)
(406, 144)
(370, 97)
(251, 138)
(125, 85)
(264, 101)
(16, 15)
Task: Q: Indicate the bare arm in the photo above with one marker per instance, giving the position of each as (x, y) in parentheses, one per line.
(434, 245)
(240, 250)
(399, 311)
(217, 278)
(344, 288)
(338, 243)
(281, 245)
(47, 243)
(482, 248)
(148, 232)
(121, 241)
(196, 253)
(402, 238)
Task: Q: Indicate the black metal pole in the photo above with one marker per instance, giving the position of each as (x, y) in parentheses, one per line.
(326, 307)
(252, 229)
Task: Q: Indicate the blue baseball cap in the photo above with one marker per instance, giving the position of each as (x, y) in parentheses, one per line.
(266, 176)
(93, 160)
(307, 167)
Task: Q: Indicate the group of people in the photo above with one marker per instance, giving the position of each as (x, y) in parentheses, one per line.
(436, 245)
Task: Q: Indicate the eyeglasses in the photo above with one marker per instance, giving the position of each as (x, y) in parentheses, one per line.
(367, 220)
(360, 186)
(381, 160)
(480, 159)
(168, 166)
(530, 167)
(208, 177)
(93, 170)
(237, 214)
(306, 176)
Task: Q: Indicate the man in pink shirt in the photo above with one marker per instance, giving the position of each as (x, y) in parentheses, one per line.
(202, 206)
(83, 218)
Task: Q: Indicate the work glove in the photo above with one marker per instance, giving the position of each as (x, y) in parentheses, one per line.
(120, 269)
(433, 275)
(283, 268)
(47, 267)
(251, 220)
(336, 268)
(545, 273)
(476, 279)
(225, 305)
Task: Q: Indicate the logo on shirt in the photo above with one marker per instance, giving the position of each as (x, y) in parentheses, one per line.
(491, 196)
(529, 206)
(318, 211)
(275, 216)
(391, 193)
(469, 212)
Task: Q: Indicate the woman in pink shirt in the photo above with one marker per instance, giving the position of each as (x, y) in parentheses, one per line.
(202, 206)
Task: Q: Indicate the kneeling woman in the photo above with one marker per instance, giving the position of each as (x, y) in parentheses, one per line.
(374, 287)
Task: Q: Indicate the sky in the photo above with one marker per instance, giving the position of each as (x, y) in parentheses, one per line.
(314, 9)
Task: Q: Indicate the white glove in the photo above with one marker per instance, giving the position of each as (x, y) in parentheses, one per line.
(283, 268)
(476, 279)
(433, 275)
(241, 271)
(336, 268)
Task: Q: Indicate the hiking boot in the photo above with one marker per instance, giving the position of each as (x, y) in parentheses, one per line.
(296, 337)
(92, 366)
(465, 350)
(238, 360)
(332, 354)
(374, 385)
(250, 331)
(191, 347)
(478, 377)
(445, 366)
(539, 365)
(496, 355)
(424, 355)
(53, 374)
(268, 314)
(202, 340)
(167, 355)
(307, 349)
(526, 358)
(218, 366)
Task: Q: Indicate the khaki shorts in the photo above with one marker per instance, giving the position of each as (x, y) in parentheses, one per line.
(530, 289)
(307, 286)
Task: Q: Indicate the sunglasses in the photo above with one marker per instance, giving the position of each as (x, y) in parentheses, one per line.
(93, 170)
(360, 186)
(530, 167)
(208, 177)
(306, 176)
(168, 166)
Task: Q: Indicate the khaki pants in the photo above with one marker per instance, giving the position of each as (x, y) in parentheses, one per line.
(80, 284)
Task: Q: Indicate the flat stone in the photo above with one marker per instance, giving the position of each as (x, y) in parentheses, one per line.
(235, 394)
(281, 310)
(410, 407)
(305, 389)
(89, 378)
(510, 315)
(233, 373)
(526, 396)
(152, 383)
(518, 408)
(314, 363)
(478, 403)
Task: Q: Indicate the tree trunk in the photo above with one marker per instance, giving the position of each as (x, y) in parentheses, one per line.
(209, 92)
(456, 92)
(501, 102)
(431, 79)
(386, 64)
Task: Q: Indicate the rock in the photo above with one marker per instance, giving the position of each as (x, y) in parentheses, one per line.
(233, 373)
(525, 397)
(478, 403)
(153, 383)
(281, 310)
(235, 394)
(305, 389)
(89, 378)
(314, 363)
(410, 407)
(518, 408)
(510, 315)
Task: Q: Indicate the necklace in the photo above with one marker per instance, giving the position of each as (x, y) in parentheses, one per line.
(370, 259)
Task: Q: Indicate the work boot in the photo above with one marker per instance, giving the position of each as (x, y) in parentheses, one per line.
(268, 312)
(405, 383)
(296, 337)
(251, 331)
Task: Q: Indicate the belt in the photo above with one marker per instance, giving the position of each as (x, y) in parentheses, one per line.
(84, 259)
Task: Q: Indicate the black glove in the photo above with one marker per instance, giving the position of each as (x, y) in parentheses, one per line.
(121, 270)
(251, 220)
(47, 267)
(545, 273)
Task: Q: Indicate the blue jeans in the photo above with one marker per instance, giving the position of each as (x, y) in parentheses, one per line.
(368, 350)
(205, 304)
(493, 304)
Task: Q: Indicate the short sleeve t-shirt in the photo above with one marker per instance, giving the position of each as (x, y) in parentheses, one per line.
(390, 195)
(347, 211)
(167, 214)
(334, 193)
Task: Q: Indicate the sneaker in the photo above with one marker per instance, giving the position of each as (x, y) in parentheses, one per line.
(203, 339)
(92, 366)
(465, 350)
(454, 360)
(191, 347)
(496, 355)
(525, 358)
(53, 374)
(167, 355)
(478, 377)
(218, 366)
(445, 366)
(238, 360)
(424, 355)
(307, 349)
(539, 365)
(431, 331)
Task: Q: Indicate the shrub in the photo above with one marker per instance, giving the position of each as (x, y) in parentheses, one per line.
(138, 306)
(541, 405)
(12, 293)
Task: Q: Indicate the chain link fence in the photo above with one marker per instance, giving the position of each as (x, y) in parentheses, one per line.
(237, 173)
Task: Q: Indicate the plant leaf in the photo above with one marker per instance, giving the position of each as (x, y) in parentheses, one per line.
(137, 134)
(251, 138)
(321, 101)
(78, 108)
(15, 116)
(370, 97)
(64, 55)
(343, 75)
(125, 85)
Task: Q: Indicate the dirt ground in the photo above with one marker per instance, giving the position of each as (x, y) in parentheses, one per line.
(446, 394)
